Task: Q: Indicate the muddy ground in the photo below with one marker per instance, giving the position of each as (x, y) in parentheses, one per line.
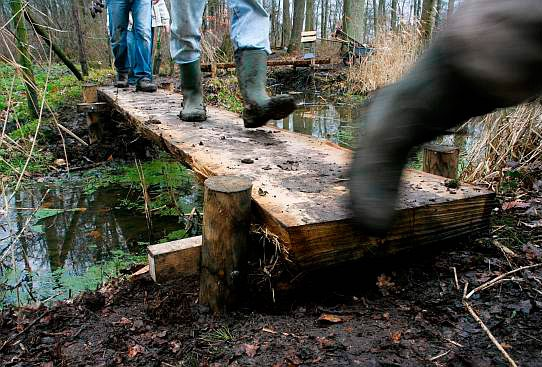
(404, 311)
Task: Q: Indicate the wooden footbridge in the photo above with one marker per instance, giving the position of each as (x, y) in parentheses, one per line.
(299, 190)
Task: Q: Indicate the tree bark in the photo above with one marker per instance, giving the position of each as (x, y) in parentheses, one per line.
(451, 6)
(428, 18)
(80, 36)
(299, 17)
(24, 58)
(309, 17)
(394, 17)
(286, 23)
(354, 18)
(375, 18)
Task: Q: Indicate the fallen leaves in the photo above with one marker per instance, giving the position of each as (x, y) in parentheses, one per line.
(327, 318)
(515, 204)
(250, 349)
(134, 350)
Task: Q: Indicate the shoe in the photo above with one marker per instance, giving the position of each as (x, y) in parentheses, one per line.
(259, 108)
(428, 101)
(193, 105)
(145, 85)
(121, 81)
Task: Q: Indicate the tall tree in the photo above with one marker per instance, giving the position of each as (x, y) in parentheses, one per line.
(323, 18)
(80, 35)
(309, 15)
(451, 6)
(382, 14)
(375, 18)
(286, 23)
(354, 18)
(394, 17)
(24, 59)
(299, 17)
(428, 18)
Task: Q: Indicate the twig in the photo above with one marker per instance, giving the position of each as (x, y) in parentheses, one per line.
(439, 356)
(12, 338)
(493, 339)
(496, 280)
(455, 278)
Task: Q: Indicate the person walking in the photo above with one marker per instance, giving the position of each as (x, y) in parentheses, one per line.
(250, 36)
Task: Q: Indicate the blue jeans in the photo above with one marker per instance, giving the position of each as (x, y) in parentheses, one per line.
(118, 11)
(249, 27)
(131, 44)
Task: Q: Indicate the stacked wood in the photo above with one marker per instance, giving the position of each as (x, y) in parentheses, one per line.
(270, 63)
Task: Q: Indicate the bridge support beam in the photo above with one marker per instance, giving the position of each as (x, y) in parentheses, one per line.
(226, 227)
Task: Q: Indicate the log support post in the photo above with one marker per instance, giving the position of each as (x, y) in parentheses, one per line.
(226, 226)
(95, 112)
(441, 160)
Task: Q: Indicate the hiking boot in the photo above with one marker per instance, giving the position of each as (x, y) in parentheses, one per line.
(121, 81)
(145, 85)
(193, 106)
(259, 108)
(431, 98)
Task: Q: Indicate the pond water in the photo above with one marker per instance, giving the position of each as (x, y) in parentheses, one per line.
(338, 122)
(73, 233)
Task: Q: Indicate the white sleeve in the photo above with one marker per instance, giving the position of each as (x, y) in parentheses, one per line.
(164, 13)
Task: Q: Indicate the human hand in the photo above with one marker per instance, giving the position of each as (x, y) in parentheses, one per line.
(96, 7)
(167, 28)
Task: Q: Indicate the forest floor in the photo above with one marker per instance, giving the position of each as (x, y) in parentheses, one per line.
(403, 311)
(397, 312)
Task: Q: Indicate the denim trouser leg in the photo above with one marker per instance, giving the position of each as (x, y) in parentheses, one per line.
(249, 30)
(141, 14)
(118, 23)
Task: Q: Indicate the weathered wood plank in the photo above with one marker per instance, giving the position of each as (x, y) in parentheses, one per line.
(299, 189)
(175, 259)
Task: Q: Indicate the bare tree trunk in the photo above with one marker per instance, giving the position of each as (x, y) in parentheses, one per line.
(375, 18)
(428, 18)
(382, 14)
(286, 23)
(299, 17)
(354, 18)
(24, 60)
(80, 37)
(451, 6)
(309, 17)
(394, 17)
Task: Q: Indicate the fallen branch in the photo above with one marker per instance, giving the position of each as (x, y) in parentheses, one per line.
(493, 339)
(497, 280)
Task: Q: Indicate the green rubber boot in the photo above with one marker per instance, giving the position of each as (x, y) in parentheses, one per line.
(193, 106)
(259, 108)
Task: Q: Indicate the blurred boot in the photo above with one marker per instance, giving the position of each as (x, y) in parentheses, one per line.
(121, 81)
(259, 108)
(193, 106)
(489, 57)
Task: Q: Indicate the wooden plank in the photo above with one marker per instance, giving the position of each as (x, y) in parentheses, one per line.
(175, 259)
(441, 160)
(270, 63)
(299, 189)
(93, 107)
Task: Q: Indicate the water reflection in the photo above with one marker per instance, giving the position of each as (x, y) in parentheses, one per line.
(74, 240)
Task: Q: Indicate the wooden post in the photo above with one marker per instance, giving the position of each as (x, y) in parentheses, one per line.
(226, 226)
(441, 160)
(94, 119)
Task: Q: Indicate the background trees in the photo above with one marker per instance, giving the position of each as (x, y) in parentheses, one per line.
(85, 39)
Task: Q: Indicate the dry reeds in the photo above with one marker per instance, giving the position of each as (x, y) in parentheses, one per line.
(395, 53)
(508, 137)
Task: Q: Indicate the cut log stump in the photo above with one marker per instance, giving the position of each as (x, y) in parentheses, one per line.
(226, 226)
(172, 260)
(441, 160)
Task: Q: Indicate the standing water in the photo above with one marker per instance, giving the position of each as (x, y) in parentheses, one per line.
(60, 237)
